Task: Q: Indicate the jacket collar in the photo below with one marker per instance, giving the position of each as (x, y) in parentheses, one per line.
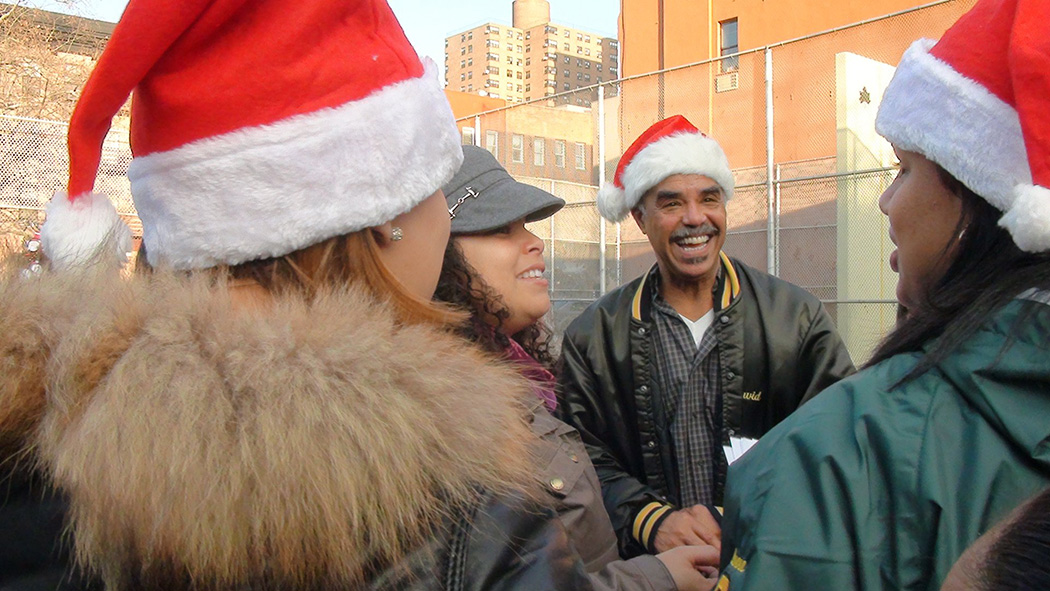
(316, 439)
(727, 288)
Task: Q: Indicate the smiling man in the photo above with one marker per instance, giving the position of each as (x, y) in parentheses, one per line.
(671, 376)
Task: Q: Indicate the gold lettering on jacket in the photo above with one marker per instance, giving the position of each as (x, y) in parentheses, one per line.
(753, 396)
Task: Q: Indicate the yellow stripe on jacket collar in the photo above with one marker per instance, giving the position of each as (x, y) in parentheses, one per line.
(730, 290)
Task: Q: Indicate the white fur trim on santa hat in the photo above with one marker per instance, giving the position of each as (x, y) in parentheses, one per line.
(952, 120)
(680, 153)
(1028, 219)
(84, 232)
(267, 191)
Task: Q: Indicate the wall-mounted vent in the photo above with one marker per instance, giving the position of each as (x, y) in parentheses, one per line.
(727, 82)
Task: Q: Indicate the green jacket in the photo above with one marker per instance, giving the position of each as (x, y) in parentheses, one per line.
(872, 487)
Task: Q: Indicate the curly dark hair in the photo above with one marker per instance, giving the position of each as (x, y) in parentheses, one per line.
(462, 286)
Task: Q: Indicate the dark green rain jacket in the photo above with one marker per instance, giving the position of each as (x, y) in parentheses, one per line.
(868, 487)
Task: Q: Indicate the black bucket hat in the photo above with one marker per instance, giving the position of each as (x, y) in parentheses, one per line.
(482, 196)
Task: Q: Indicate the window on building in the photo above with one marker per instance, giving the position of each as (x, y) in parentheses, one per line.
(518, 74)
(550, 29)
(537, 151)
(599, 66)
(462, 77)
(462, 51)
(579, 36)
(581, 156)
(463, 37)
(566, 34)
(470, 34)
(518, 88)
(492, 142)
(586, 52)
(510, 86)
(528, 61)
(579, 49)
(587, 38)
(565, 73)
(586, 77)
(579, 75)
(510, 34)
(491, 57)
(729, 44)
(494, 94)
(470, 75)
(566, 59)
(492, 70)
(470, 61)
(566, 86)
(559, 153)
(528, 88)
(566, 47)
(491, 29)
(528, 75)
(517, 149)
(528, 34)
(519, 48)
(468, 136)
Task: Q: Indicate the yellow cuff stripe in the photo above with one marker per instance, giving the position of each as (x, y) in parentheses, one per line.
(648, 529)
(639, 519)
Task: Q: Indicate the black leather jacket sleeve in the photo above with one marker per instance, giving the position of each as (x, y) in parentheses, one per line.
(585, 405)
(514, 544)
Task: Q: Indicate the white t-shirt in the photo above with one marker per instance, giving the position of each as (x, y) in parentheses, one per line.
(700, 325)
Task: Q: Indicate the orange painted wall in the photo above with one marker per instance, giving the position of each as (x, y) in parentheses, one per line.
(690, 29)
(465, 104)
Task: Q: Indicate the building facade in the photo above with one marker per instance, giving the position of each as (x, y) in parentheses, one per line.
(662, 34)
(531, 59)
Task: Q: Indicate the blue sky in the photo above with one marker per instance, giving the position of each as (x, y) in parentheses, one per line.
(426, 22)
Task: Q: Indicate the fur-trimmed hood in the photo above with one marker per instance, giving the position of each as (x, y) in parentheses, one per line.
(310, 443)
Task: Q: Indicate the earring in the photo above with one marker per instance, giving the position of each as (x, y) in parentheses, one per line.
(396, 234)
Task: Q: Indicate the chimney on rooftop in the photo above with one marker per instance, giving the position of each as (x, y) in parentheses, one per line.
(530, 13)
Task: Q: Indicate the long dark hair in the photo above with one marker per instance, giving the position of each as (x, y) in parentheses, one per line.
(461, 286)
(1017, 558)
(987, 271)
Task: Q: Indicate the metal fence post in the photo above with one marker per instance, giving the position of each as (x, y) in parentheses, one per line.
(553, 258)
(771, 234)
(601, 182)
(776, 226)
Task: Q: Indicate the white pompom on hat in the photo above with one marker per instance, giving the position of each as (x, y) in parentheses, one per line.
(671, 146)
(976, 103)
(259, 127)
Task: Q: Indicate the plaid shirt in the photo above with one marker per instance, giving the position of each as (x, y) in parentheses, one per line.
(688, 376)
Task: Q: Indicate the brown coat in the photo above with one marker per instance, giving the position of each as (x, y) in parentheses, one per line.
(568, 476)
(312, 446)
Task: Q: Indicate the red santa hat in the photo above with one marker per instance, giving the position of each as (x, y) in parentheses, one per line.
(976, 103)
(258, 127)
(669, 147)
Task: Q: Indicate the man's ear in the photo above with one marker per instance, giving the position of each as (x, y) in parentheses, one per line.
(638, 216)
(382, 234)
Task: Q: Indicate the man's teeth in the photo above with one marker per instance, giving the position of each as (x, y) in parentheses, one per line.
(533, 274)
(695, 240)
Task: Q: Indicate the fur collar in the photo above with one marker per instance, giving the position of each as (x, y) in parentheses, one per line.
(309, 443)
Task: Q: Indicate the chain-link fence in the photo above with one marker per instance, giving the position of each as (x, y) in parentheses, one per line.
(34, 165)
(796, 120)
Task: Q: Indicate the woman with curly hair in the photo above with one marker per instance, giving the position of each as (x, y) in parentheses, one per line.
(494, 269)
(279, 404)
